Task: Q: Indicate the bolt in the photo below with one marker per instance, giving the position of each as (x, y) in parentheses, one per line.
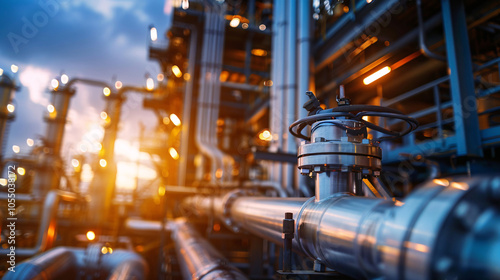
(319, 266)
(319, 139)
(495, 189)
(304, 171)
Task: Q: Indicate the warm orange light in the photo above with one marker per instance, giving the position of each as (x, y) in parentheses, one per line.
(177, 71)
(259, 52)
(262, 27)
(118, 85)
(14, 68)
(90, 235)
(235, 21)
(51, 108)
(175, 119)
(75, 163)
(150, 84)
(161, 190)
(103, 162)
(54, 83)
(16, 149)
(11, 108)
(104, 115)
(160, 77)
(218, 173)
(377, 75)
(64, 79)
(21, 171)
(265, 135)
(106, 91)
(30, 142)
(173, 153)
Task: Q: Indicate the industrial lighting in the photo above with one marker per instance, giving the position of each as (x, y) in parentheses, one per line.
(104, 115)
(3, 182)
(187, 76)
(1, 71)
(369, 1)
(244, 25)
(175, 119)
(154, 34)
(106, 91)
(235, 21)
(177, 71)
(160, 77)
(118, 85)
(166, 120)
(262, 27)
(103, 162)
(185, 4)
(14, 68)
(51, 108)
(161, 190)
(64, 79)
(90, 235)
(75, 163)
(104, 250)
(377, 75)
(150, 84)
(11, 108)
(30, 142)
(259, 52)
(54, 83)
(173, 153)
(21, 171)
(265, 135)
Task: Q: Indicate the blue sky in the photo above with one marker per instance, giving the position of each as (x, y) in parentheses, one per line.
(93, 39)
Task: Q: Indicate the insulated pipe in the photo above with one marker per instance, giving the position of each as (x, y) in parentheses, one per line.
(48, 223)
(197, 258)
(444, 229)
(72, 263)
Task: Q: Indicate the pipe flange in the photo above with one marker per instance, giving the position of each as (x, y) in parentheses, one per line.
(227, 202)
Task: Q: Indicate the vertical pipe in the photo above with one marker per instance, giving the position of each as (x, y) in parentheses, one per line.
(303, 67)
(7, 87)
(461, 79)
(290, 91)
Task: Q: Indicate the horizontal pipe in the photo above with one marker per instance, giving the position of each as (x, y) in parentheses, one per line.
(370, 238)
(197, 258)
(70, 263)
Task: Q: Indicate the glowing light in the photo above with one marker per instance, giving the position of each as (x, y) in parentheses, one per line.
(103, 162)
(3, 182)
(30, 142)
(154, 34)
(265, 135)
(185, 4)
(173, 153)
(90, 235)
(16, 149)
(262, 27)
(187, 76)
(21, 171)
(118, 85)
(345, 9)
(175, 120)
(218, 173)
(11, 108)
(1, 71)
(51, 108)
(459, 185)
(104, 115)
(75, 163)
(166, 120)
(259, 52)
(161, 190)
(150, 84)
(54, 83)
(377, 75)
(235, 21)
(104, 250)
(64, 79)
(442, 182)
(14, 68)
(160, 77)
(369, 1)
(244, 25)
(106, 91)
(177, 71)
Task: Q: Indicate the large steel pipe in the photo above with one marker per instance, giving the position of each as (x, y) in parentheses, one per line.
(197, 258)
(444, 229)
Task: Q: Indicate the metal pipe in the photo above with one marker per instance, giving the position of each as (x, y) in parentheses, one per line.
(72, 263)
(421, 36)
(420, 238)
(48, 223)
(7, 86)
(197, 258)
(267, 184)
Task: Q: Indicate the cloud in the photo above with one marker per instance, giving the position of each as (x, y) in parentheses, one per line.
(36, 80)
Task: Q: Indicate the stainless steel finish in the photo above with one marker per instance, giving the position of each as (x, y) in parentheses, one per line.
(444, 221)
(71, 263)
(47, 232)
(266, 185)
(328, 183)
(7, 88)
(197, 258)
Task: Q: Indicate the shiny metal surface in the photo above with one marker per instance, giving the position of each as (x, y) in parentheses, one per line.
(447, 228)
(197, 258)
(328, 183)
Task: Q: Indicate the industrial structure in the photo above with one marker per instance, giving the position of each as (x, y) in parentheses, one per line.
(296, 139)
